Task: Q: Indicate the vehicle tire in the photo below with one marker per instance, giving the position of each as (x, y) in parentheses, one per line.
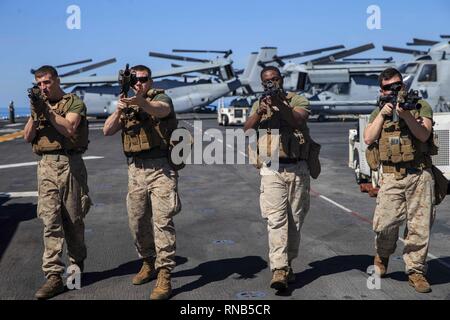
(321, 118)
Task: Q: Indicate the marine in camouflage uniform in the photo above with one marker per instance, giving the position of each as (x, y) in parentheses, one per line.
(146, 122)
(58, 131)
(284, 193)
(407, 184)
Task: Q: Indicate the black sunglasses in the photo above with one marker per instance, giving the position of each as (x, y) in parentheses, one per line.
(142, 79)
(272, 80)
(396, 86)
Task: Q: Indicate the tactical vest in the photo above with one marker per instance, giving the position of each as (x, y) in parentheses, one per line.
(48, 139)
(400, 150)
(146, 134)
(293, 142)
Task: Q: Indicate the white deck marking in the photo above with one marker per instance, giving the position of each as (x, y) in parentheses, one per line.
(18, 194)
(430, 255)
(27, 164)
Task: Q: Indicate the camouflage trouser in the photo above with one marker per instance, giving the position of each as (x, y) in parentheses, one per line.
(284, 202)
(62, 205)
(410, 199)
(152, 201)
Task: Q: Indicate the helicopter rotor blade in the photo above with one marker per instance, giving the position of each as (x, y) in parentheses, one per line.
(422, 42)
(32, 71)
(175, 57)
(341, 54)
(306, 53)
(206, 72)
(404, 50)
(89, 67)
(389, 59)
(226, 53)
(73, 63)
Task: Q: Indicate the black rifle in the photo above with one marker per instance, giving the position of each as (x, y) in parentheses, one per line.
(127, 80)
(407, 100)
(37, 101)
(271, 89)
(34, 94)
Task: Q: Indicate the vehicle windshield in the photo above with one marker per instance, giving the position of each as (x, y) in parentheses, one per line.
(428, 73)
(240, 103)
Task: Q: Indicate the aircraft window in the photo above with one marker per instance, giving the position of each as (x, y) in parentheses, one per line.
(428, 73)
(371, 80)
(408, 68)
(340, 88)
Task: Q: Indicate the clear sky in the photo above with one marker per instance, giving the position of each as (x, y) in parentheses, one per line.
(33, 33)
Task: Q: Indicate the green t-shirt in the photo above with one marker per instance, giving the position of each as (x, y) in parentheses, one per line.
(77, 106)
(162, 97)
(297, 101)
(425, 111)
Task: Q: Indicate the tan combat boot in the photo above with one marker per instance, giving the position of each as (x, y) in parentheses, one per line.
(163, 288)
(419, 282)
(146, 273)
(381, 265)
(51, 288)
(279, 280)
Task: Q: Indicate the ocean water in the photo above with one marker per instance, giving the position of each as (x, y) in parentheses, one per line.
(19, 112)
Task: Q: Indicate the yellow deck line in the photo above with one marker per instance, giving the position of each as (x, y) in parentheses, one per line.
(11, 136)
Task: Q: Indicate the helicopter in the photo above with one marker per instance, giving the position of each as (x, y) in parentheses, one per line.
(100, 93)
(429, 72)
(319, 77)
